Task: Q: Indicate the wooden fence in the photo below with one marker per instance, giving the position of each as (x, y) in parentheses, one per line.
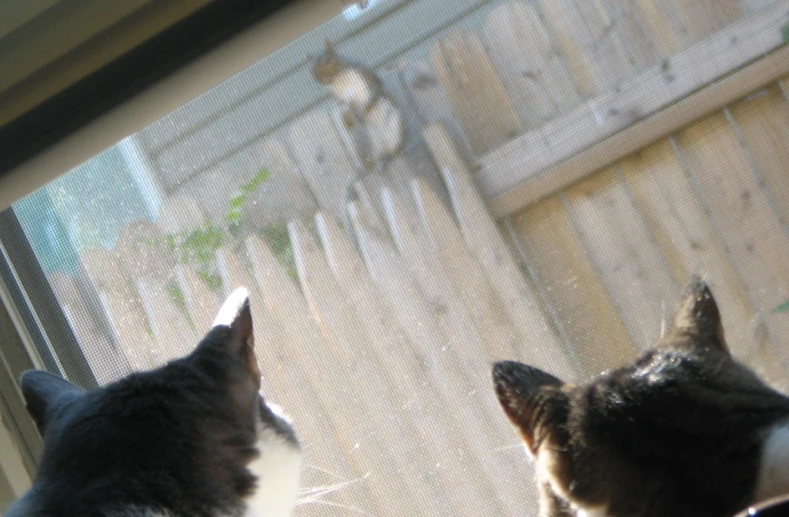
(381, 353)
(381, 348)
(551, 77)
(711, 198)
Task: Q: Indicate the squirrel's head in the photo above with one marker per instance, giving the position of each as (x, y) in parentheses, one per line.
(327, 65)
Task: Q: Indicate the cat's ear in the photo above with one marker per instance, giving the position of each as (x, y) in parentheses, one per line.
(698, 318)
(518, 388)
(236, 314)
(45, 394)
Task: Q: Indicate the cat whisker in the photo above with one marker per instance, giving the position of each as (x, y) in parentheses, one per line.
(338, 505)
(314, 495)
(325, 471)
(319, 491)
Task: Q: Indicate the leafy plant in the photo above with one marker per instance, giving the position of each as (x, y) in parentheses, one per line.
(198, 247)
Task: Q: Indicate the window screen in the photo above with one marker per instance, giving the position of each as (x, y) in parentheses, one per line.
(420, 187)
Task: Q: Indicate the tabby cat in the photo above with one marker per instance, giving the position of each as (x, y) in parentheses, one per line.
(686, 431)
(193, 438)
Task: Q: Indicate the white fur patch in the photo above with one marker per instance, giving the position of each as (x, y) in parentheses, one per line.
(278, 469)
(592, 512)
(774, 466)
(232, 306)
(386, 128)
(352, 88)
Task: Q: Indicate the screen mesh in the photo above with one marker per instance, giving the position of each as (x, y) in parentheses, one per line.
(434, 189)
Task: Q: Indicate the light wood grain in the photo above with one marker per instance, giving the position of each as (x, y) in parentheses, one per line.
(589, 319)
(741, 211)
(754, 6)
(122, 307)
(642, 30)
(690, 245)
(413, 368)
(490, 317)
(322, 159)
(451, 350)
(426, 98)
(175, 336)
(542, 347)
(654, 103)
(349, 344)
(588, 44)
(202, 304)
(628, 260)
(705, 17)
(762, 119)
(478, 96)
(536, 77)
(332, 477)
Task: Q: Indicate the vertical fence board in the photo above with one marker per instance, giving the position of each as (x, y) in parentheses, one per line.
(235, 275)
(201, 303)
(175, 336)
(487, 310)
(417, 380)
(704, 17)
(179, 214)
(487, 246)
(619, 243)
(433, 289)
(359, 351)
(522, 51)
(741, 211)
(581, 303)
(396, 460)
(588, 43)
(666, 22)
(635, 22)
(449, 349)
(690, 245)
(427, 98)
(478, 96)
(322, 160)
(763, 122)
(285, 195)
(295, 382)
(126, 318)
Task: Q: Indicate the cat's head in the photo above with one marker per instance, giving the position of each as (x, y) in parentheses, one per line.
(677, 433)
(194, 437)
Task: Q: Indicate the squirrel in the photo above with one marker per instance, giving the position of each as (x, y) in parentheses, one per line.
(370, 115)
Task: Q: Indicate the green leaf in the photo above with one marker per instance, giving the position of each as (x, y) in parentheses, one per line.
(238, 201)
(233, 216)
(785, 33)
(278, 239)
(784, 307)
(176, 296)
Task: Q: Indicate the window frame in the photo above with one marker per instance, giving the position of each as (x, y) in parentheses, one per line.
(206, 43)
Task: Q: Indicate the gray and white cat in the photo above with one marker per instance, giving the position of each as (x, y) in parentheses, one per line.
(686, 431)
(193, 438)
